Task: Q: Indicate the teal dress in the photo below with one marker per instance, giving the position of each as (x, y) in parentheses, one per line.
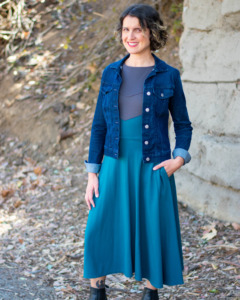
(134, 227)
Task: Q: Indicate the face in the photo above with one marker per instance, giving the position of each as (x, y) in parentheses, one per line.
(135, 39)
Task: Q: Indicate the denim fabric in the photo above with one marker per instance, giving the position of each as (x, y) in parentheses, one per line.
(163, 92)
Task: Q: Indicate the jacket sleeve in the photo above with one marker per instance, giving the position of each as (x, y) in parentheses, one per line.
(182, 124)
(97, 139)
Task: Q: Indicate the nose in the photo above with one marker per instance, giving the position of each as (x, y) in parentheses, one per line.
(131, 35)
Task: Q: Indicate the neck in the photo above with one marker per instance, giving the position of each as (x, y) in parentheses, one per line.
(139, 60)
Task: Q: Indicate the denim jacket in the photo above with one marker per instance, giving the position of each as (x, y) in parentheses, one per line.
(163, 92)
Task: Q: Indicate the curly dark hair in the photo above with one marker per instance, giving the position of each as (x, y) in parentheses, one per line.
(148, 18)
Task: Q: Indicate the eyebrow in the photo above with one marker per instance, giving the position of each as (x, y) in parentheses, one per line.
(134, 27)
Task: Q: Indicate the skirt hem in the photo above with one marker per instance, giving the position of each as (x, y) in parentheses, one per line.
(140, 278)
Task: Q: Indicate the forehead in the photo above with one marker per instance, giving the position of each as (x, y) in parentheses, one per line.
(130, 21)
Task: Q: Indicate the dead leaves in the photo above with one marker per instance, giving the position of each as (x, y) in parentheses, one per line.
(236, 226)
(211, 255)
(209, 231)
(16, 24)
(38, 170)
(28, 177)
(7, 193)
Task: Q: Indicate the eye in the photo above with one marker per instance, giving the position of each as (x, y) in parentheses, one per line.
(124, 29)
(138, 29)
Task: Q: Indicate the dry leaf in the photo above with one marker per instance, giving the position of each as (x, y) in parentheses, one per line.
(37, 170)
(236, 226)
(7, 193)
(17, 203)
(210, 235)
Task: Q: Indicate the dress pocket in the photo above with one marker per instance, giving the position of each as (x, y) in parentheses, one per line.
(164, 171)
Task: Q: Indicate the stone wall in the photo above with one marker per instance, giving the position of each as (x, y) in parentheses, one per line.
(210, 55)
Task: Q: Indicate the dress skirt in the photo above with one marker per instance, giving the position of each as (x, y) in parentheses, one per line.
(134, 227)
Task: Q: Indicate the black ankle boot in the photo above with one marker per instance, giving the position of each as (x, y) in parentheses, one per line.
(97, 294)
(149, 294)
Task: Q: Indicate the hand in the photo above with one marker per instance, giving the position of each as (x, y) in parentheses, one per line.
(92, 186)
(170, 165)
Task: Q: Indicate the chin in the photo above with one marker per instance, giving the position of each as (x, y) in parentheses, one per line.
(133, 51)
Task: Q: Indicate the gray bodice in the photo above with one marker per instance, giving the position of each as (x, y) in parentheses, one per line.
(131, 91)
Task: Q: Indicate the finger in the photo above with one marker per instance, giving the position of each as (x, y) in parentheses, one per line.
(96, 191)
(157, 167)
(168, 172)
(88, 198)
(89, 205)
(91, 198)
(87, 201)
(92, 202)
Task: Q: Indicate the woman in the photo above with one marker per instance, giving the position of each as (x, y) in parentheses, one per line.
(133, 224)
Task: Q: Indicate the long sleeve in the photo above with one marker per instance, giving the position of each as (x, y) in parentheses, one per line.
(97, 140)
(182, 124)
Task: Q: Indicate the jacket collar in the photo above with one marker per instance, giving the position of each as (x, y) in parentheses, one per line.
(160, 65)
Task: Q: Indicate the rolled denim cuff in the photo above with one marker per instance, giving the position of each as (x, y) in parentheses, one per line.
(183, 153)
(92, 167)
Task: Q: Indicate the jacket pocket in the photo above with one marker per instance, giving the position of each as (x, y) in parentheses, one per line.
(107, 93)
(161, 99)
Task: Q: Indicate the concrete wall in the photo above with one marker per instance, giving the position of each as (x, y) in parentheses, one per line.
(210, 55)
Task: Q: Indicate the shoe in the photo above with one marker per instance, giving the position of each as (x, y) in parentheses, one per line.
(97, 294)
(149, 294)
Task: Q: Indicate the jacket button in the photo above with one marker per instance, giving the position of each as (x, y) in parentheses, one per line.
(162, 94)
(146, 126)
(148, 93)
(146, 142)
(148, 158)
(147, 109)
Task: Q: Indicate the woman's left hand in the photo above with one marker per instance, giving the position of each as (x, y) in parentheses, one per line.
(170, 165)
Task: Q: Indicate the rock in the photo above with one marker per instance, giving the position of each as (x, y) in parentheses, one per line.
(214, 107)
(209, 51)
(210, 57)
(202, 15)
(230, 7)
(211, 199)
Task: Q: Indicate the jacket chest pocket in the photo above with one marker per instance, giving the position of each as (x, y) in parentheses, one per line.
(107, 96)
(161, 99)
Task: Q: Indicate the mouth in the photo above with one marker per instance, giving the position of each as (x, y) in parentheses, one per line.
(132, 44)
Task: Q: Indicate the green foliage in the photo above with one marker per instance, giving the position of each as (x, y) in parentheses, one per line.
(92, 78)
(177, 8)
(73, 81)
(215, 291)
(177, 28)
(84, 46)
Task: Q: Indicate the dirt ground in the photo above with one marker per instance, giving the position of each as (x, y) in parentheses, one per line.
(43, 218)
(50, 88)
(48, 92)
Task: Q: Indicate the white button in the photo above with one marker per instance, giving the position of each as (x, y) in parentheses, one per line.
(162, 94)
(147, 126)
(148, 158)
(148, 93)
(146, 142)
(147, 109)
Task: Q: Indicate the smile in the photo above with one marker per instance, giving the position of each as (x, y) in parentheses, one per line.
(132, 44)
